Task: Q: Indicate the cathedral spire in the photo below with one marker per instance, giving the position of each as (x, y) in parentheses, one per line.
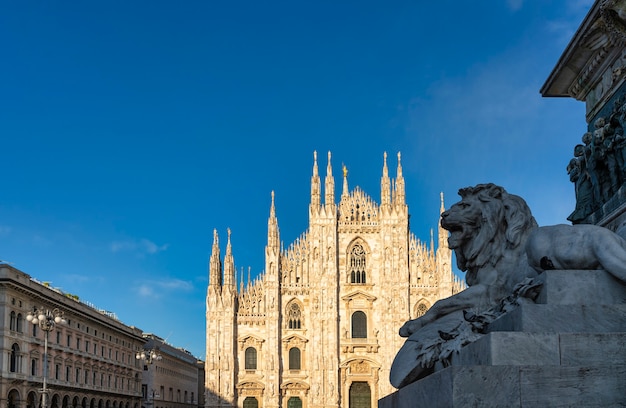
(400, 196)
(315, 185)
(229, 265)
(385, 184)
(432, 241)
(215, 263)
(443, 234)
(329, 187)
(345, 191)
(273, 234)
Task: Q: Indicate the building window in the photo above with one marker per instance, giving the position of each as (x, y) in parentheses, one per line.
(15, 355)
(420, 310)
(294, 358)
(20, 321)
(12, 321)
(357, 264)
(58, 337)
(359, 325)
(250, 358)
(35, 330)
(33, 366)
(294, 316)
(67, 373)
(57, 371)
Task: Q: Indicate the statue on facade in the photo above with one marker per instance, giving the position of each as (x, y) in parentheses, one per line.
(498, 244)
(602, 163)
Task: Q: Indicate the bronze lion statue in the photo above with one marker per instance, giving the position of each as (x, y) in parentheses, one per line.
(498, 244)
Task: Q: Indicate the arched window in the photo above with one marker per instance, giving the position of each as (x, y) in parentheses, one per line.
(294, 316)
(20, 322)
(15, 355)
(420, 310)
(250, 402)
(359, 325)
(250, 358)
(357, 264)
(13, 399)
(12, 321)
(294, 358)
(294, 402)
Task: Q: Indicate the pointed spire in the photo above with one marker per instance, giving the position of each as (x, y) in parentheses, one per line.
(432, 240)
(400, 196)
(329, 187)
(241, 281)
(443, 234)
(215, 263)
(249, 276)
(229, 264)
(273, 234)
(345, 190)
(315, 185)
(385, 184)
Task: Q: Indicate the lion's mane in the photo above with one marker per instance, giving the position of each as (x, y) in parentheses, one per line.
(500, 222)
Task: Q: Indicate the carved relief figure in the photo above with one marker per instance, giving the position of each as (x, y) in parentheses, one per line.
(604, 162)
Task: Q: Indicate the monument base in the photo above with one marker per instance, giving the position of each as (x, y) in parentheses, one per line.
(568, 349)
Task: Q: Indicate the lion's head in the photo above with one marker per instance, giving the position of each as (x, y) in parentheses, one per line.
(485, 224)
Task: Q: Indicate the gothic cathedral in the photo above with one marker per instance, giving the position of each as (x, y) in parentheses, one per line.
(319, 328)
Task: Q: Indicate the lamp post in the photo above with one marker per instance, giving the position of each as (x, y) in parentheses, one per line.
(149, 356)
(46, 319)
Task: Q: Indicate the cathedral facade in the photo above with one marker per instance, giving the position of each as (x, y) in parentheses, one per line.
(319, 328)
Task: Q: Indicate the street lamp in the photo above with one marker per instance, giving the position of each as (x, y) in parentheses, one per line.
(149, 356)
(46, 319)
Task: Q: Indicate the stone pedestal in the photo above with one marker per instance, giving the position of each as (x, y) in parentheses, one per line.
(568, 349)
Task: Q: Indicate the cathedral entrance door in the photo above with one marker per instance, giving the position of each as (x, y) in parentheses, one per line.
(294, 402)
(360, 395)
(250, 402)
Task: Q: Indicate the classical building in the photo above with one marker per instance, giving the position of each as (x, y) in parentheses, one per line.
(319, 327)
(91, 354)
(170, 375)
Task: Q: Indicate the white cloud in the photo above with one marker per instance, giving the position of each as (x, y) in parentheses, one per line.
(515, 4)
(143, 246)
(156, 288)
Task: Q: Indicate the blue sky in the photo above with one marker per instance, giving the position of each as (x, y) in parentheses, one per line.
(130, 130)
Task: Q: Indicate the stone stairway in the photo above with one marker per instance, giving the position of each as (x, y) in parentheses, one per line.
(567, 349)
